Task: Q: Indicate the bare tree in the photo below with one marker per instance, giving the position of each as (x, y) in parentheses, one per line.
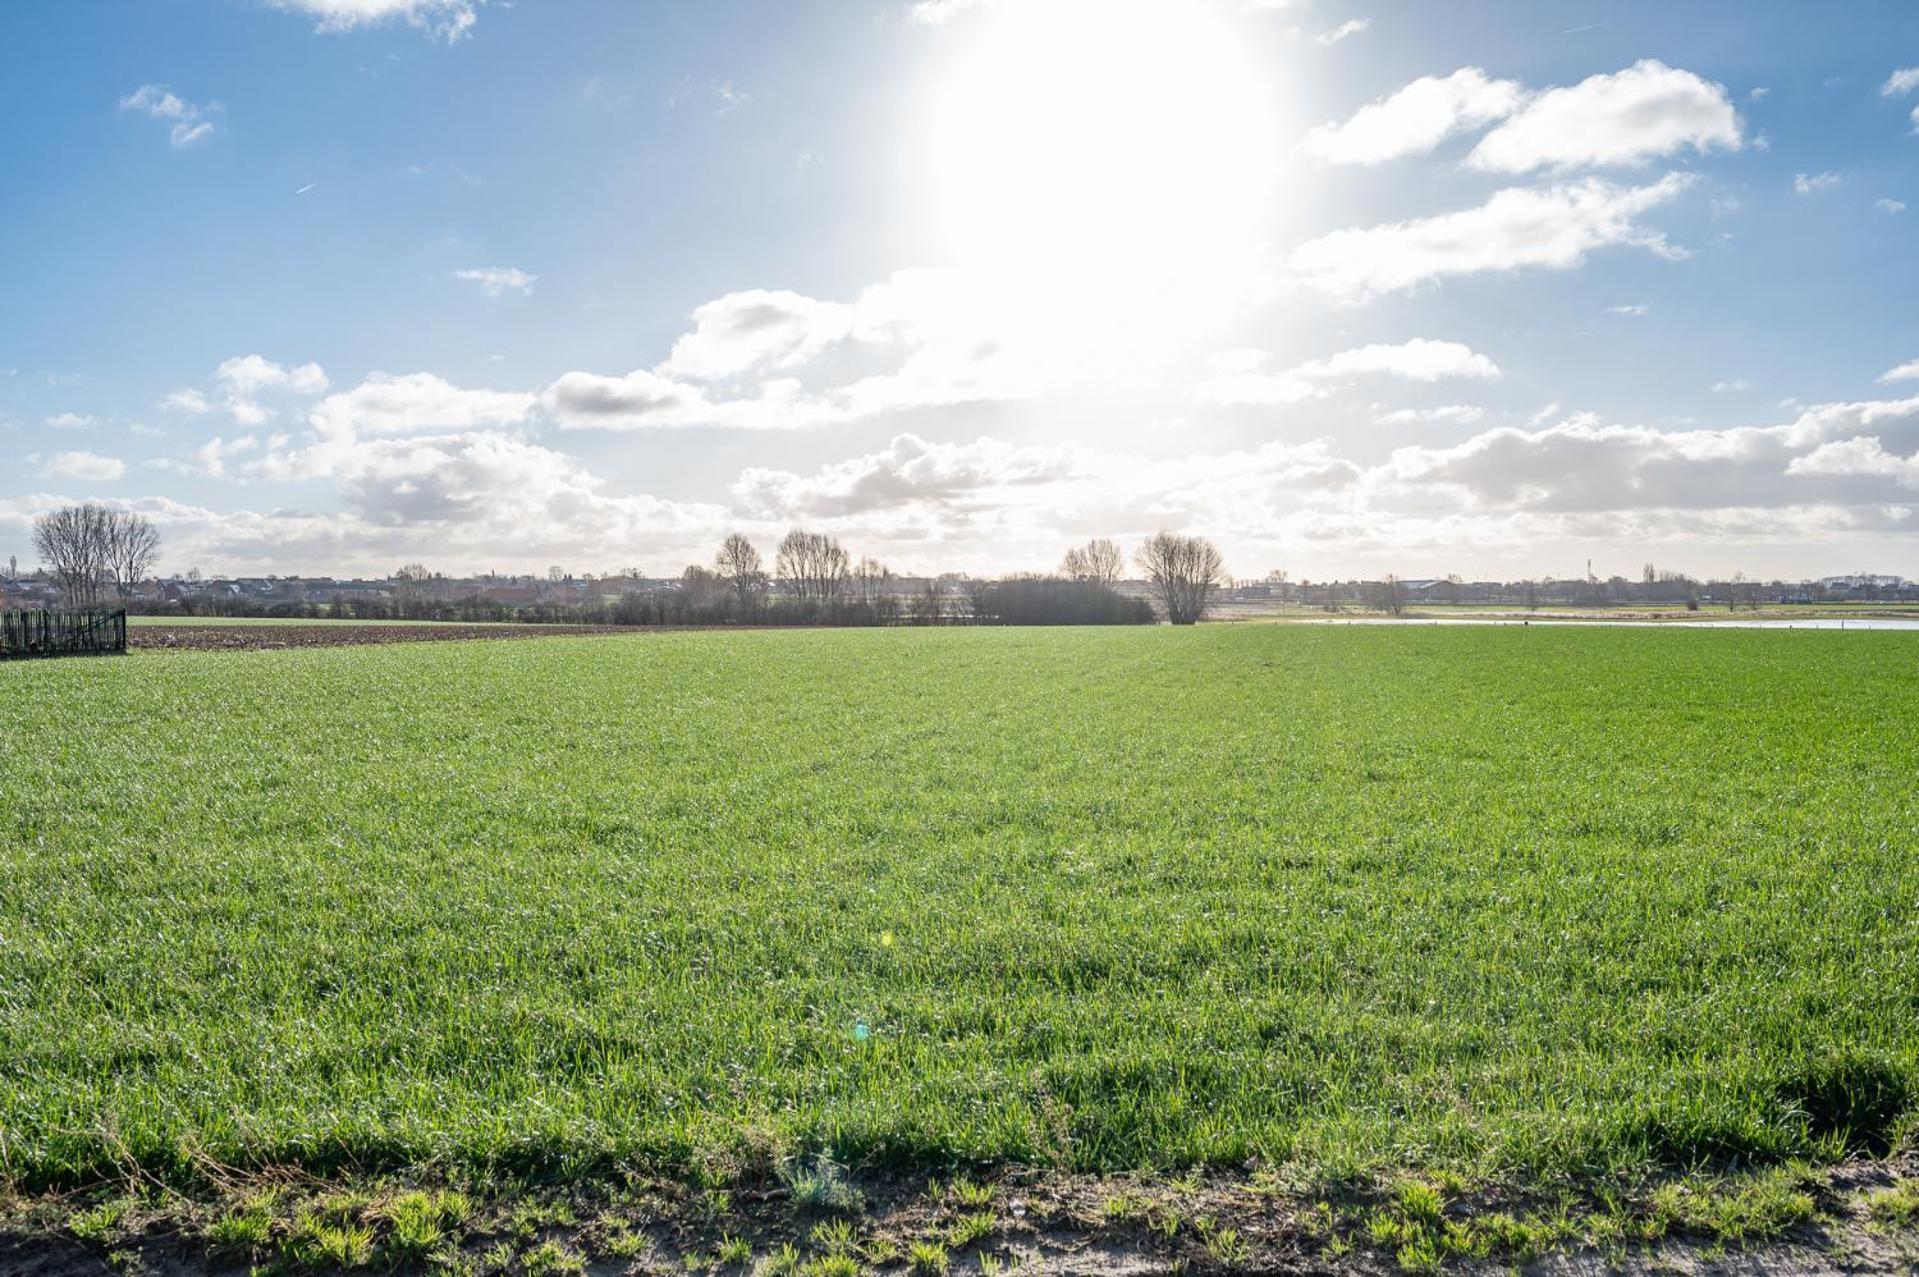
(739, 563)
(870, 579)
(75, 545)
(1184, 572)
(813, 564)
(929, 605)
(703, 587)
(410, 585)
(1099, 560)
(132, 546)
(1390, 595)
(975, 588)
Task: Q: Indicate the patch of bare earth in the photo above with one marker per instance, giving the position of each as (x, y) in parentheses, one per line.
(1018, 1223)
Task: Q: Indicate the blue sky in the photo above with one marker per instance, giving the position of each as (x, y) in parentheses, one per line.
(1350, 286)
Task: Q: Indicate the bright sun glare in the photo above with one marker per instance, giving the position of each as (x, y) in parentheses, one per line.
(1108, 164)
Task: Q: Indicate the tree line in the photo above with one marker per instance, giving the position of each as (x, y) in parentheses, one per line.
(91, 549)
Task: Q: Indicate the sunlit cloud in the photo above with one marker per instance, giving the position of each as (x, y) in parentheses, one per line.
(1522, 228)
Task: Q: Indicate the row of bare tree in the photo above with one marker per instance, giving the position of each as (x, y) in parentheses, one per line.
(1183, 571)
(816, 570)
(91, 550)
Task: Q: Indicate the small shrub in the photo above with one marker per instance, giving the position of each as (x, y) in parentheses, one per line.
(823, 1184)
(623, 1243)
(1226, 1246)
(1420, 1255)
(420, 1221)
(316, 1243)
(550, 1259)
(247, 1227)
(1420, 1203)
(834, 1236)
(968, 1229)
(973, 1196)
(102, 1222)
(1760, 1208)
(1895, 1207)
(929, 1259)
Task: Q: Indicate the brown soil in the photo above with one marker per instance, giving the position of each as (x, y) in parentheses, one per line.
(187, 636)
(1040, 1223)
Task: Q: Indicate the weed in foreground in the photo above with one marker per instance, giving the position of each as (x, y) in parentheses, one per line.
(1895, 1207)
(928, 1259)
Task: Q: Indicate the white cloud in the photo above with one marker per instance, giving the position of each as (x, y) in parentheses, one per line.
(1860, 456)
(1239, 377)
(1817, 183)
(1904, 372)
(766, 360)
(496, 280)
(444, 19)
(356, 434)
(1631, 310)
(1733, 386)
(1891, 208)
(1604, 472)
(186, 123)
(908, 470)
(1016, 499)
(1902, 81)
(86, 467)
(252, 374)
(934, 13)
(1345, 30)
(458, 503)
(758, 328)
(242, 381)
(69, 421)
(1546, 228)
(475, 499)
(1648, 111)
(1416, 360)
(1455, 414)
(210, 459)
(384, 404)
(1417, 118)
(1915, 119)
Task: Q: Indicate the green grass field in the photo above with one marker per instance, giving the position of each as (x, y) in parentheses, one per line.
(1535, 903)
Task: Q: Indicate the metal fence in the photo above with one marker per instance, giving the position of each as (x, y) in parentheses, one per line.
(77, 633)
